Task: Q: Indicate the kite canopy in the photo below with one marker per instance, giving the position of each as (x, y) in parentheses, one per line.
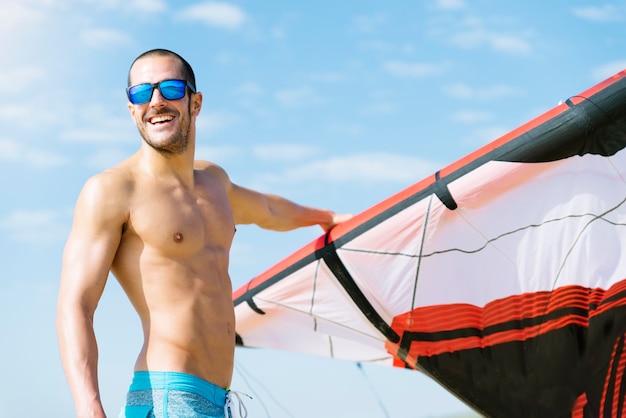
(501, 276)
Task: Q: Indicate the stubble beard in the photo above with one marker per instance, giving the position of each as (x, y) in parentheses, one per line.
(176, 144)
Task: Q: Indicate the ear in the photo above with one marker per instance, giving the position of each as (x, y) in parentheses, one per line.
(131, 109)
(196, 104)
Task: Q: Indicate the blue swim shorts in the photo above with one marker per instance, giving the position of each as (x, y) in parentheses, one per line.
(173, 395)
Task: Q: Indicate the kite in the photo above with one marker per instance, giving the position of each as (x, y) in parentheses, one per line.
(502, 276)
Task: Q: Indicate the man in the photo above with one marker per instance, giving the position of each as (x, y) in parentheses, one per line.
(163, 224)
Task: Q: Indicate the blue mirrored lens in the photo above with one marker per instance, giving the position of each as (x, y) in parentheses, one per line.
(172, 89)
(141, 93)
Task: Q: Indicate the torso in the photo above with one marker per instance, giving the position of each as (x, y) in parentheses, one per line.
(172, 262)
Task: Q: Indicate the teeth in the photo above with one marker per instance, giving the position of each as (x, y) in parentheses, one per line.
(158, 119)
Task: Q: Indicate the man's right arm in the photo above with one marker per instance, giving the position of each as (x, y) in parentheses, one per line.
(87, 259)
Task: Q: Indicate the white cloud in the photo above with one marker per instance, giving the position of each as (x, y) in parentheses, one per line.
(460, 91)
(471, 116)
(347, 129)
(382, 47)
(284, 152)
(21, 79)
(96, 135)
(369, 23)
(212, 122)
(479, 37)
(21, 219)
(380, 108)
(216, 14)
(17, 114)
(607, 70)
(367, 167)
(106, 158)
(229, 58)
(150, 6)
(298, 97)
(128, 6)
(450, 4)
(378, 46)
(249, 88)
(412, 69)
(509, 44)
(328, 77)
(18, 152)
(19, 15)
(34, 226)
(248, 93)
(605, 13)
(104, 38)
(463, 91)
(278, 33)
(95, 123)
(9, 150)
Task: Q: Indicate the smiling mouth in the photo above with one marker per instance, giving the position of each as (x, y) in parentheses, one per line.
(155, 120)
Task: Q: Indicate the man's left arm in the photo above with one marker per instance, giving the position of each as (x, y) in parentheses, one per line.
(277, 213)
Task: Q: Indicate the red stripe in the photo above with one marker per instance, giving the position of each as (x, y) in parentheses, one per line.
(506, 312)
(430, 348)
(618, 382)
(579, 405)
(617, 379)
(607, 380)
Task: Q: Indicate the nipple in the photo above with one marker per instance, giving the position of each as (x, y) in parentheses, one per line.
(177, 237)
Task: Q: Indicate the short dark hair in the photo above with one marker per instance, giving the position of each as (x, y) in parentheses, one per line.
(187, 70)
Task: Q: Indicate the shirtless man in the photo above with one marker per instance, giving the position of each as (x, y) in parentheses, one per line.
(163, 224)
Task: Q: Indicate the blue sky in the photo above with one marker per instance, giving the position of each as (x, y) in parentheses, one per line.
(331, 104)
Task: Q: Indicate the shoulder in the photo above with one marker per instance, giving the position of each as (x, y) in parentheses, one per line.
(108, 184)
(107, 194)
(212, 170)
(207, 166)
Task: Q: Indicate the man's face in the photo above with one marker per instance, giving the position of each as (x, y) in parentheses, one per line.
(164, 124)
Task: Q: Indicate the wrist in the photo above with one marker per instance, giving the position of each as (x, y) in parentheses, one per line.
(92, 409)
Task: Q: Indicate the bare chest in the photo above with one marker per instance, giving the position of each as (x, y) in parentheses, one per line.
(178, 222)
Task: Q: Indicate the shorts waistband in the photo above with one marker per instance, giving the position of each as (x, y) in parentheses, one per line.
(149, 380)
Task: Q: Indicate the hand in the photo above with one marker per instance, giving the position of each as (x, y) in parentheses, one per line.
(337, 218)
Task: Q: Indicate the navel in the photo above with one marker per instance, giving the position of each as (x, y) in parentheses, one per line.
(177, 237)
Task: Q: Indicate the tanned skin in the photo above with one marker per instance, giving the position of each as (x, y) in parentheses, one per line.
(163, 224)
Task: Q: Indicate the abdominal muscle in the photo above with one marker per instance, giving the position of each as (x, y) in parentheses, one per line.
(187, 315)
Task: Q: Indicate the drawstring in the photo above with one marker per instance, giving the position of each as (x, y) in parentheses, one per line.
(229, 405)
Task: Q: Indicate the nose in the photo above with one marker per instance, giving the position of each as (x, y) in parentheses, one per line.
(157, 99)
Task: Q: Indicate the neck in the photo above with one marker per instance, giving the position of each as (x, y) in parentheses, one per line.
(161, 164)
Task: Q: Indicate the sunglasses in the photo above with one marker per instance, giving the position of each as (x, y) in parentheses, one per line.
(169, 89)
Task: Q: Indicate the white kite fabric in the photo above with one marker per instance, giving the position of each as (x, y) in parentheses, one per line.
(502, 276)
